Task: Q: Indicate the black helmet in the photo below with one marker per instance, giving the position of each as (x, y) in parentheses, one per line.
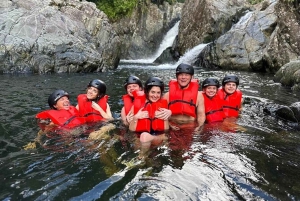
(55, 96)
(230, 78)
(184, 68)
(154, 81)
(132, 80)
(99, 84)
(211, 81)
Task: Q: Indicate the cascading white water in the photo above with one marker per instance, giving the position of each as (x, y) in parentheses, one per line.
(189, 57)
(167, 41)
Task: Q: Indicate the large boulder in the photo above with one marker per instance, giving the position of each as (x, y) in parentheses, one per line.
(243, 46)
(265, 38)
(55, 36)
(289, 75)
(203, 21)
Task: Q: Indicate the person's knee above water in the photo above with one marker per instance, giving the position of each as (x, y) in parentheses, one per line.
(62, 113)
(231, 96)
(93, 105)
(146, 119)
(185, 100)
(132, 83)
(212, 103)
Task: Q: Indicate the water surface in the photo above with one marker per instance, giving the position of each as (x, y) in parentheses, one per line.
(257, 158)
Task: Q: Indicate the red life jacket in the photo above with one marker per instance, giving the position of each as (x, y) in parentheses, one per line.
(213, 108)
(183, 101)
(139, 100)
(128, 103)
(231, 102)
(86, 110)
(65, 118)
(150, 124)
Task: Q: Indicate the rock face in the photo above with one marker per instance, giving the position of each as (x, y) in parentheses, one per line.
(55, 36)
(262, 39)
(203, 21)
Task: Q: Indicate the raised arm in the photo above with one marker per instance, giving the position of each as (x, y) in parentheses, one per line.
(200, 111)
(105, 114)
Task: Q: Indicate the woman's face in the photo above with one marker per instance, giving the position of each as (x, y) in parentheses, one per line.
(210, 91)
(92, 93)
(63, 103)
(132, 87)
(230, 87)
(154, 94)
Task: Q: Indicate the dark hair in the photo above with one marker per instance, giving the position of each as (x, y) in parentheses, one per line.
(100, 85)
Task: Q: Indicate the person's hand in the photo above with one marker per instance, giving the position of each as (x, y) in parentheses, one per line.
(198, 129)
(163, 113)
(141, 114)
(96, 106)
(129, 116)
(175, 128)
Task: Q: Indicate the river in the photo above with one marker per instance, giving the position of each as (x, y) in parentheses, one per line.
(258, 158)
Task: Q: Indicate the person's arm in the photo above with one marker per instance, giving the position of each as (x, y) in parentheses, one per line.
(139, 115)
(200, 111)
(77, 107)
(164, 113)
(126, 119)
(105, 115)
(108, 112)
(123, 117)
(166, 96)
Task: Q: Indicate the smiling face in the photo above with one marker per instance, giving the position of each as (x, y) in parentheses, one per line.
(230, 87)
(92, 93)
(132, 87)
(63, 103)
(184, 80)
(210, 91)
(154, 94)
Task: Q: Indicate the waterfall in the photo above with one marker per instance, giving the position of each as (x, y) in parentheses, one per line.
(167, 41)
(189, 57)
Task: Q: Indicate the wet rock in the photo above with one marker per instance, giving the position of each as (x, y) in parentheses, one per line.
(295, 107)
(286, 113)
(289, 75)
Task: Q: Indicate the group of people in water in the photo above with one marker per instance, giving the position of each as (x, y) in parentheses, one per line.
(147, 110)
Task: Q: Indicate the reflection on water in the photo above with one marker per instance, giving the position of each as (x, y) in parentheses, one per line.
(255, 158)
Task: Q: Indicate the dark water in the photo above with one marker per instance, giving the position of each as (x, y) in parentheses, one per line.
(257, 158)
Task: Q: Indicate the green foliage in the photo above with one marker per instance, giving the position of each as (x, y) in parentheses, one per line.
(116, 9)
(254, 1)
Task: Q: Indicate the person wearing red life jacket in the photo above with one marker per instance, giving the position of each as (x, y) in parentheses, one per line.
(185, 100)
(231, 96)
(146, 109)
(212, 103)
(93, 105)
(132, 83)
(62, 113)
